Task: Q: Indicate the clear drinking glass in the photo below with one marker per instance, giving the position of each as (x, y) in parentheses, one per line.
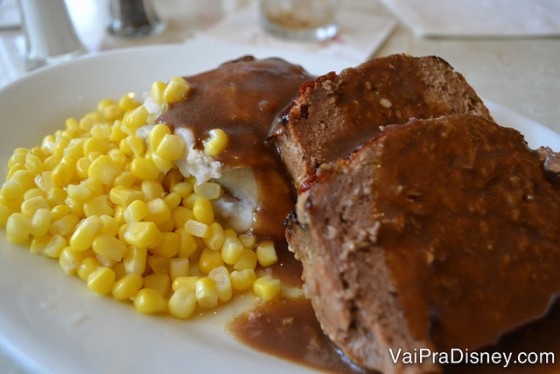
(311, 20)
(49, 33)
(134, 18)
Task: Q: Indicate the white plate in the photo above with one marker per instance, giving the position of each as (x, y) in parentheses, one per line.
(50, 322)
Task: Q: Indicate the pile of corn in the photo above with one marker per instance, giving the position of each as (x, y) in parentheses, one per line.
(113, 209)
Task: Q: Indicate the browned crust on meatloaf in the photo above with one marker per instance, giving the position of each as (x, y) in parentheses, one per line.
(436, 234)
(335, 113)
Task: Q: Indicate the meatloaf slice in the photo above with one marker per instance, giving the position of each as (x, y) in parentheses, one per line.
(335, 113)
(440, 233)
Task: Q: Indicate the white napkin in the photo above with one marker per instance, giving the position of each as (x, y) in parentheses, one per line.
(9, 14)
(478, 18)
(360, 34)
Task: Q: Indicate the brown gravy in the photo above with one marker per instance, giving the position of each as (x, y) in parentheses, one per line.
(290, 330)
(242, 97)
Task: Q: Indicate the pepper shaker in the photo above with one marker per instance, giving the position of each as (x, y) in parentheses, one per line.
(133, 18)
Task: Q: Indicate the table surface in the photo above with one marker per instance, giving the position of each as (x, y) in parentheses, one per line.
(522, 74)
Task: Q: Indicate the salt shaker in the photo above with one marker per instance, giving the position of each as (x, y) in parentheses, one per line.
(49, 33)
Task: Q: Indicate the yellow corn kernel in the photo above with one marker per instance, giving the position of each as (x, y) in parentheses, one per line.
(98, 206)
(223, 283)
(159, 264)
(56, 196)
(101, 280)
(102, 131)
(151, 190)
(171, 179)
(72, 124)
(198, 229)
(231, 250)
(112, 113)
(119, 270)
(150, 301)
(55, 246)
(119, 215)
(106, 261)
(217, 142)
(188, 201)
(206, 293)
(144, 168)
(34, 164)
(82, 167)
(69, 260)
(247, 260)
(25, 178)
(39, 243)
(14, 168)
(76, 207)
(158, 211)
(127, 179)
(157, 90)
(217, 238)
(117, 134)
(4, 214)
(66, 224)
(266, 287)
(209, 260)
(163, 165)
(180, 215)
(209, 190)
(184, 189)
(104, 170)
(247, 240)
(171, 147)
(124, 148)
(172, 199)
(185, 281)
(242, 279)
(108, 246)
(30, 206)
(40, 222)
(110, 225)
(123, 196)
(127, 287)
(12, 190)
(18, 228)
(188, 243)
(85, 232)
(78, 192)
(159, 282)
(203, 210)
(18, 156)
(62, 174)
(176, 90)
(142, 234)
(87, 266)
(104, 104)
(167, 226)
(136, 118)
(136, 211)
(178, 267)
(135, 260)
(182, 303)
(94, 146)
(75, 150)
(118, 157)
(266, 254)
(128, 102)
(169, 245)
(157, 134)
(137, 145)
